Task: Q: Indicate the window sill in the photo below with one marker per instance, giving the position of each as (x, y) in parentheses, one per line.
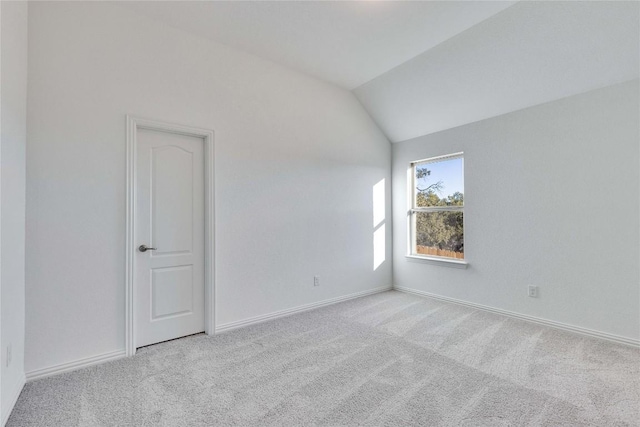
(445, 262)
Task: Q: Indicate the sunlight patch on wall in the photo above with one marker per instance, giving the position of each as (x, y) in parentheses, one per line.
(379, 234)
(378, 203)
(379, 247)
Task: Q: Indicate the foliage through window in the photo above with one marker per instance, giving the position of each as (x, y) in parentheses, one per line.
(437, 207)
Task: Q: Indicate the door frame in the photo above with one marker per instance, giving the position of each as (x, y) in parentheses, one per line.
(133, 125)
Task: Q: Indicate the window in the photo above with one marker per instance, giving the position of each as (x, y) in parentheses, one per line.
(436, 216)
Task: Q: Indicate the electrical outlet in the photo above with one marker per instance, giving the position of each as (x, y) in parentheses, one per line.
(532, 291)
(316, 280)
(8, 355)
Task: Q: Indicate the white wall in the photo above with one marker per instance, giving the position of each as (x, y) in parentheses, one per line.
(12, 204)
(296, 162)
(530, 53)
(551, 199)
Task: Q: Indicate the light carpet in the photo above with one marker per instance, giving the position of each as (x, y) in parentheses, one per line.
(389, 359)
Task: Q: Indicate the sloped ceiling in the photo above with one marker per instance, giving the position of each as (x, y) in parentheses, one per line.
(345, 42)
(422, 67)
(531, 53)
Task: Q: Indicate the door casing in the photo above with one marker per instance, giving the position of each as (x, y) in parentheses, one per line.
(133, 124)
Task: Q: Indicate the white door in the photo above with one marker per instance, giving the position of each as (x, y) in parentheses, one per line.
(169, 275)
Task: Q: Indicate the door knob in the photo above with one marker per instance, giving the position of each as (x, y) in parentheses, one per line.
(144, 248)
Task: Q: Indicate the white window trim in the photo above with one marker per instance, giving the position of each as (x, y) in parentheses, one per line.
(411, 255)
(445, 262)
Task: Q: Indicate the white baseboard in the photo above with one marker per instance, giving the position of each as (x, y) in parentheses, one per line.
(282, 313)
(13, 398)
(558, 325)
(75, 365)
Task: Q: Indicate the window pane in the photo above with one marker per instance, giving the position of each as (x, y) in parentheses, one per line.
(439, 183)
(439, 234)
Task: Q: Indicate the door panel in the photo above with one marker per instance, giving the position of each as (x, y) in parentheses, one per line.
(169, 279)
(171, 291)
(172, 212)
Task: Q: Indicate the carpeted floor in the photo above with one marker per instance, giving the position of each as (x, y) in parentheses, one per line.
(389, 359)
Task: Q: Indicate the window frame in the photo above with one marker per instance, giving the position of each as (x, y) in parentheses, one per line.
(412, 254)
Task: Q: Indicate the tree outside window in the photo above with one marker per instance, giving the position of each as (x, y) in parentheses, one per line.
(437, 211)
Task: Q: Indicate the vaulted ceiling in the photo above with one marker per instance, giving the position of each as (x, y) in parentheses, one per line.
(422, 67)
(529, 54)
(347, 43)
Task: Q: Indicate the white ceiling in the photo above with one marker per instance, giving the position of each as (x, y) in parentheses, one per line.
(347, 43)
(533, 52)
